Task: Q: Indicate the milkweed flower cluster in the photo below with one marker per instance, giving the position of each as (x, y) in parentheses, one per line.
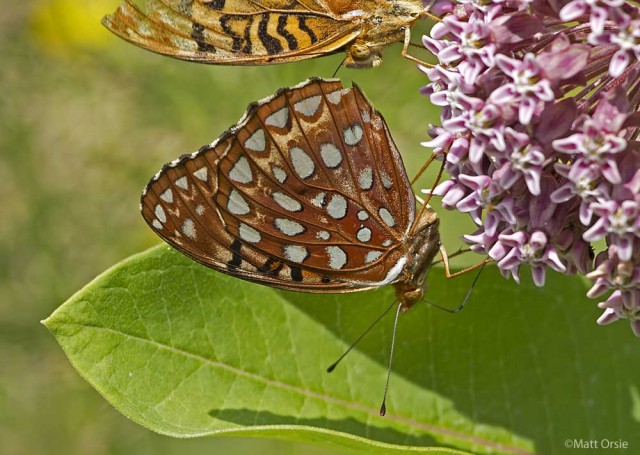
(538, 132)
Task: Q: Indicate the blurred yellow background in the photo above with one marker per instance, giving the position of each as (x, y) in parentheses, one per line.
(85, 120)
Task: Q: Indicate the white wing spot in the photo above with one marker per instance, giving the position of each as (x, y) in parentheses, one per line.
(353, 134)
(318, 201)
(331, 155)
(362, 215)
(189, 228)
(337, 257)
(323, 235)
(287, 202)
(182, 183)
(241, 171)
(393, 273)
(365, 116)
(377, 122)
(167, 196)
(308, 106)
(160, 214)
(256, 141)
(302, 163)
(249, 234)
(295, 253)
(202, 173)
(372, 256)
(387, 217)
(364, 234)
(365, 179)
(337, 207)
(237, 204)
(279, 118)
(386, 181)
(289, 227)
(335, 97)
(200, 209)
(156, 224)
(279, 174)
(352, 14)
(386, 243)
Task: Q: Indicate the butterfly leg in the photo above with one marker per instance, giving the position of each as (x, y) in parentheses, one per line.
(479, 265)
(445, 261)
(424, 167)
(458, 252)
(425, 203)
(405, 50)
(447, 271)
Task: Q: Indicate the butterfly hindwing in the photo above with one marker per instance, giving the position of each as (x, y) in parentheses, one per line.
(296, 195)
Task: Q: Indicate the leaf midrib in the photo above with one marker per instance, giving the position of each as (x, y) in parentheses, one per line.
(434, 429)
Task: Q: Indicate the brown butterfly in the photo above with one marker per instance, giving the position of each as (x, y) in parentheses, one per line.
(262, 32)
(307, 192)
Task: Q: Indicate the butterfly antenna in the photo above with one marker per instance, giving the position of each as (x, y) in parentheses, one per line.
(340, 66)
(335, 364)
(466, 297)
(383, 408)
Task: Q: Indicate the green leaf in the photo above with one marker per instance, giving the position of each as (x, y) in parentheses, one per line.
(189, 352)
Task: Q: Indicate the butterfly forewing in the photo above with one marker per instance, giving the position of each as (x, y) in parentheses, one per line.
(259, 32)
(307, 192)
(232, 32)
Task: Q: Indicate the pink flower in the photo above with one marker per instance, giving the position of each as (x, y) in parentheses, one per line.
(539, 126)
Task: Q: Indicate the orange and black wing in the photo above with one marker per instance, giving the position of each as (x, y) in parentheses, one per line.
(236, 32)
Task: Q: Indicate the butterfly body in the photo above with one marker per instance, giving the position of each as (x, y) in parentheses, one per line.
(261, 32)
(384, 24)
(421, 248)
(307, 193)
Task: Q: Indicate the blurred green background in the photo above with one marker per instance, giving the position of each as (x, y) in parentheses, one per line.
(85, 120)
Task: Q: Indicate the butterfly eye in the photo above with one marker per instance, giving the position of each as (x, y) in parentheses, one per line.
(360, 51)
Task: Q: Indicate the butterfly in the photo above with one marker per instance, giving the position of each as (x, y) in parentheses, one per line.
(262, 32)
(307, 192)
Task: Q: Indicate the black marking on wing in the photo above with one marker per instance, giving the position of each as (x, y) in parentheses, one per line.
(271, 44)
(236, 259)
(269, 269)
(217, 5)
(247, 37)
(296, 273)
(292, 42)
(238, 40)
(302, 23)
(197, 33)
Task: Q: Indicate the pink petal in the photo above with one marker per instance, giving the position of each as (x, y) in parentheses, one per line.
(619, 63)
(573, 10)
(608, 317)
(538, 273)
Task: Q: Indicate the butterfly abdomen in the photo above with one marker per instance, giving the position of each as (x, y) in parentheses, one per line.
(422, 246)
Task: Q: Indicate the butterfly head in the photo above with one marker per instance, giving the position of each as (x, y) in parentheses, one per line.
(408, 296)
(362, 56)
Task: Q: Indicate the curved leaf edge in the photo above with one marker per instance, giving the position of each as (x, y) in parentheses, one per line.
(298, 433)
